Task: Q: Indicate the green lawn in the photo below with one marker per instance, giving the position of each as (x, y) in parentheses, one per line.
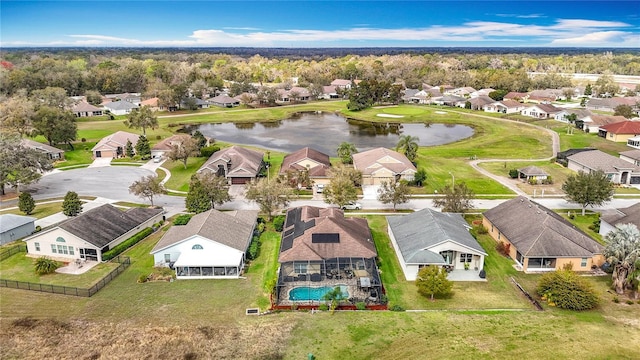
(180, 176)
(19, 267)
(41, 210)
(81, 155)
(583, 222)
(558, 173)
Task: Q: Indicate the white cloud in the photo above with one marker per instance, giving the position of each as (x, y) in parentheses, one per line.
(526, 16)
(564, 32)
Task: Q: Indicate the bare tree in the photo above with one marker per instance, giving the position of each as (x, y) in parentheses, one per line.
(147, 187)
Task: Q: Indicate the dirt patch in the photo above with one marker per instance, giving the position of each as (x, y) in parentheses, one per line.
(28, 338)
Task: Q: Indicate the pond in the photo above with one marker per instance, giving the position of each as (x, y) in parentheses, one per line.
(325, 131)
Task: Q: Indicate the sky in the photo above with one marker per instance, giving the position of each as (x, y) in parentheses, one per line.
(320, 23)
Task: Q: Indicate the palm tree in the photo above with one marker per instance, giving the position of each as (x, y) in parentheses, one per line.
(346, 151)
(622, 251)
(408, 145)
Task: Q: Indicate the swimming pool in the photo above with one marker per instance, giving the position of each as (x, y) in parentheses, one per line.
(307, 293)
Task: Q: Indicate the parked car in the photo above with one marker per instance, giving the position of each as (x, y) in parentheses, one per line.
(319, 188)
(352, 206)
(157, 159)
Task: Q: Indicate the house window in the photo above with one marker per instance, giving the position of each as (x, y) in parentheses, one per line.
(167, 258)
(37, 245)
(611, 135)
(583, 263)
(54, 249)
(62, 249)
(300, 268)
(466, 258)
(196, 247)
(499, 235)
(71, 252)
(59, 239)
(491, 227)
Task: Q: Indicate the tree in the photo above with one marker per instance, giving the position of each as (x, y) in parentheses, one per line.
(269, 195)
(26, 203)
(20, 165)
(622, 251)
(624, 110)
(566, 290)
(588, 90)
(16, 114)
(346, 151)
(456, 199)
(341, 189)
(71, 206)
(586, 189)
(54, 97)
(498, 95)
(142, 118)
(390, 193)
(188, 147)
(143, 148)
(93, 97)
(128, 149)
(56, 125)
(408, 145)
(45, 265)
(420, 177)
(207, 190)
(432, 281)
(200, 139)
(147, 187)
(334, 297)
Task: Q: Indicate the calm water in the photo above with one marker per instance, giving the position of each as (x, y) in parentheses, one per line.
(325, 131)
(305, 293)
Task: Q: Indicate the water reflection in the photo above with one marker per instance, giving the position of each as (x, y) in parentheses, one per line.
(325, 131)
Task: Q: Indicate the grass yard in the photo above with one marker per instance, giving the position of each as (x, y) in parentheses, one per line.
(583, 222)
(19, 267)
(180, 176)
(580, 139)
(80, 156)
(41, 210)
(439, 174)
(558, 173)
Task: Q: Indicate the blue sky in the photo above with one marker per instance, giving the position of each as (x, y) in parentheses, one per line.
(320, 23)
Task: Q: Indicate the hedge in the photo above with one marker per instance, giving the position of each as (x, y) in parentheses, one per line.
(120, 248)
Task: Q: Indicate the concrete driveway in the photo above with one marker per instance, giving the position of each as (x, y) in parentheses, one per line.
(101, 162)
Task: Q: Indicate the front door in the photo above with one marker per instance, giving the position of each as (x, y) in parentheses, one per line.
(98, 154)
(82, 253)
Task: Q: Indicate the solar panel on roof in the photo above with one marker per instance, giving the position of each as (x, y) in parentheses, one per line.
(332, 238)
(287, 243)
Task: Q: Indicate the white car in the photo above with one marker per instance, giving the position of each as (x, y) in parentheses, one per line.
(319, 188)
(157, 159)
(352, 206)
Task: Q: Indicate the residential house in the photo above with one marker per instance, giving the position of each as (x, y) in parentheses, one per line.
(330, 92)
(320, 246)
(620, 131)
(223, 100)
(15, 227)
(211, 245)
(538, 239)
(516, 96)
(89, 235)
(294, 94)
(239, 165)
(429, 237)
(315, 163)
(593, 123)
(342, 83)
(477, 103)
(545, 96)
(381, 164)
(583, 115)
(532, 174)
(612, 218)
(165, 145)
(133, 98)
(463, 91)
(120, 107)
(618, 170)
(634, 142)
(407, 95)
(193, 102)
(418, 97)
(632, 156)
(114, 145)
(610, 104)
(154, 104)
(52, 153)
(541, 111)
(505, 106)
(84, 109)
(482, 92)
(449, 100)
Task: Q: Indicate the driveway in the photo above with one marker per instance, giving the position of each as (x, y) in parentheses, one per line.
(101, 162)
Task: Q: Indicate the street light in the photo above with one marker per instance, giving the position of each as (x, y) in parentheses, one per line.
(453, 180)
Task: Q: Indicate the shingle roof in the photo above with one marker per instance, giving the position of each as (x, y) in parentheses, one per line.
(606, 119)
(623, 127)
(117, 139)
(372, 160)
(153, 102)
(290, 161)
(532, 171)
(40, 146)
(548, 108)
(11, 221)
(598, 160)
(511, 103)
(120, 105)
(166, 144)
(481, 100)
(244, 162)
(350, 237)
(633, 154)
(84, 106)
(233, 229)
(536, 231)
(102, 225)
(416, 233)
(223, 99)
(628, 215)
(341, 82)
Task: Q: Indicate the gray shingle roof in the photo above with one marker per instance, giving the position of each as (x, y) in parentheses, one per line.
(233, 229)
(536, 231)
(417, 232)
(629, 215)
(102, 225)
(598, 160)
(120, 105)
(532, 171)
(633, 154)
(11, 221)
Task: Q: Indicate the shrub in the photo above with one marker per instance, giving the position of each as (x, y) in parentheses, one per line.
(481, 230)
(182, 219)
(38, 228)
(396, 307)
(616, 299)
(503, 248)
(278, 223)
(142, 278)
(361, 305)
(158, 137)
(207, 151)
(568, 266)
(120, 248)
(513, 173)
(261, 227)
(630, 302)
(566, 290)
(83, 140)
(45, 265)
(323, 307)
(254, 248)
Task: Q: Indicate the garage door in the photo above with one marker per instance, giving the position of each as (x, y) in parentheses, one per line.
(239, 180)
